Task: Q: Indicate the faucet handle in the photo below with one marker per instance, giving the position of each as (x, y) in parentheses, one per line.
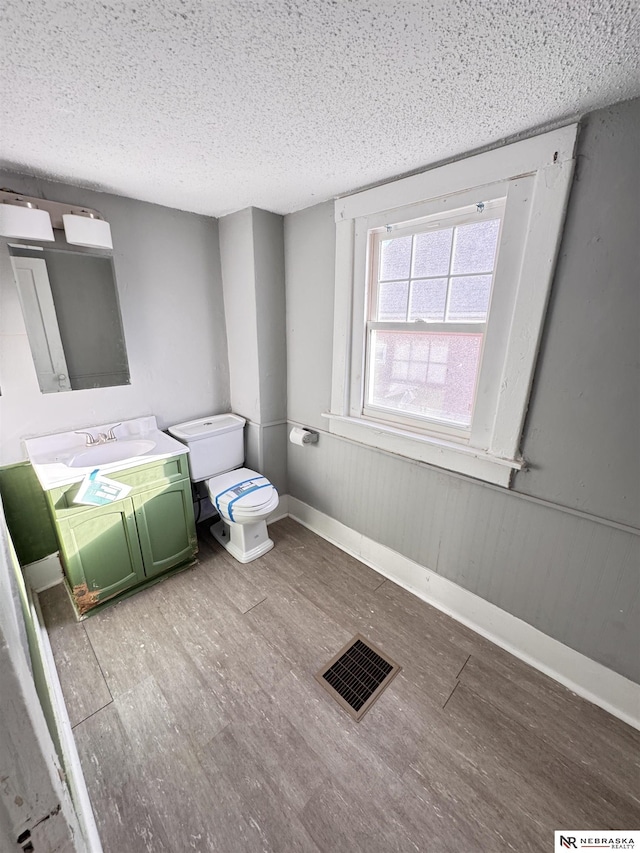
(90, 440)
(110, 433)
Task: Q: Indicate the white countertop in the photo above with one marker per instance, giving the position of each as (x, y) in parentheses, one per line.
(50, 455)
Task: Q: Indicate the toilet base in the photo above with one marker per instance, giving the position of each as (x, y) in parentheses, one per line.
(245, 542)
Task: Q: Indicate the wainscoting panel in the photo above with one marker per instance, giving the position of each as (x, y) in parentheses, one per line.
(570, 576)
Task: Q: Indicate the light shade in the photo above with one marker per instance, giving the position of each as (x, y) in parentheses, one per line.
(86, 231)
(25, 223)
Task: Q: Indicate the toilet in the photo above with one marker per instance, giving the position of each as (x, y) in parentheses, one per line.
(243, 498)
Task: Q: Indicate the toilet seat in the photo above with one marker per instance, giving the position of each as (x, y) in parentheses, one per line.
(242, 495)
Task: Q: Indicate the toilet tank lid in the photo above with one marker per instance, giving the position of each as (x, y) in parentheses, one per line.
(206, 427)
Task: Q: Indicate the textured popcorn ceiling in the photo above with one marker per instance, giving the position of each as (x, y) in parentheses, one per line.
(214, 106)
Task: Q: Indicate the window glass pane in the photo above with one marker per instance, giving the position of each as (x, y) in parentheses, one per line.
(420, 373)
(475, 246)
(469, 298)
(417, 371)
(437, 374)
(402, 349)
(392, 300)
(431, 253)
(428, 299)
(395, 258)
(400, 369)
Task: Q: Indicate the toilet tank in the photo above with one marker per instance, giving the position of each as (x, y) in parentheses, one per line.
(216, 444)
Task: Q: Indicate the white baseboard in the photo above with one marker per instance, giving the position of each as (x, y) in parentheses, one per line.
(43, 573)
(589, 679)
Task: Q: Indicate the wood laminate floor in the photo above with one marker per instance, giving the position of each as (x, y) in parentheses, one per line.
(200, 726)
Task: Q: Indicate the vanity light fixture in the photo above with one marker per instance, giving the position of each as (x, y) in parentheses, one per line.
(85, 228)
(35, 218)
(22, 218)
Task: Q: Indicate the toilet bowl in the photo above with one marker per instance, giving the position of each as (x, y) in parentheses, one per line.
(243, 498)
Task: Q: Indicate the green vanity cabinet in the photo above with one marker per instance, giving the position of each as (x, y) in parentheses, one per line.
(111, 549)
(101, 552)
(163, 541)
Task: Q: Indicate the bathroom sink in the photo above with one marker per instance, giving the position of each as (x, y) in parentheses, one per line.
(104, 454)
(61, 458)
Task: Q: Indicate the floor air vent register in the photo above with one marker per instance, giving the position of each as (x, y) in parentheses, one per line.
(357, 675)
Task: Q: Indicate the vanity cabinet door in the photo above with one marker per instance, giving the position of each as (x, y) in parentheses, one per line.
(101, 553)
(166, 526)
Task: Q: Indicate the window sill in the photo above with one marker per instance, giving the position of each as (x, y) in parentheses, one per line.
(462, 459)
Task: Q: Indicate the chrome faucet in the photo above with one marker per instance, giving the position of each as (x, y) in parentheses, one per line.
(110, 436)
(102, 438)
(90, 441)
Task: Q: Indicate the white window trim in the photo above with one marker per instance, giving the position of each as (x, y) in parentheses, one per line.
(538, 173)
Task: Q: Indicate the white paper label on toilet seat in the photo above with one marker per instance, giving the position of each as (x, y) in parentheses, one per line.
(241, 488)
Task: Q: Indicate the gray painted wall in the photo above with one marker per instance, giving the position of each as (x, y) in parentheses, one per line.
(268, 241)
(310, 248)
(268, 244)
(252, 254)
(167, 268)
(237, 260)
(581, 436)
(571, 576)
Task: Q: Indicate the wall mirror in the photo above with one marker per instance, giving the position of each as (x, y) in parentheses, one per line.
(70, 304)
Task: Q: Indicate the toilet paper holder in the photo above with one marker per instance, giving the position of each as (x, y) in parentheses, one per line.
(303, 436)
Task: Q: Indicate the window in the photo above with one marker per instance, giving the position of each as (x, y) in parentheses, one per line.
(429, 288)
(441, 285)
